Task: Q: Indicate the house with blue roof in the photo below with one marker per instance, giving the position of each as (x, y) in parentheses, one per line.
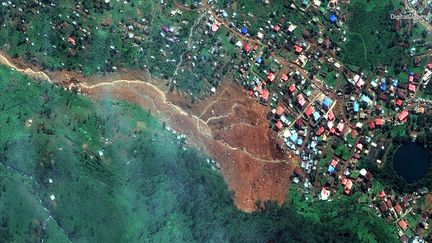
(331, 169)
(356, 107)
(333, 18)
(316, 115)
(383, 86)
(259, 60)
(300, 142)
(294, 137)
(244, 30)
(365, 99)
(327, 103)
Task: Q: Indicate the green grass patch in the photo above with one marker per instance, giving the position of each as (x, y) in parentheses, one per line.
(343, 151)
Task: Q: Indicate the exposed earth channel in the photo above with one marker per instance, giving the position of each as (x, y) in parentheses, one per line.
(228, 126)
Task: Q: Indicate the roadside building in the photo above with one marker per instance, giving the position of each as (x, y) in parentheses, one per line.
(402, 224)
(327, 103)
(402, 116)
(271, 76)
(280, 110)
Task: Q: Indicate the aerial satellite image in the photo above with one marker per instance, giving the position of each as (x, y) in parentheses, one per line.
(215, 121)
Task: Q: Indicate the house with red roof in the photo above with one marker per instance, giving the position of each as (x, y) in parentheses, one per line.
(430, 65)
(371, 125)
(279, 125)
(330, 124)
(402, 224)
(276, 28)
(332, 167)
(360, 83)
(247, 47)
(331, 116)
(389, 203)
(348, 186)
(265, 94)
(412, 88)
(411, 78)
(284, 77)
(309, 111)
(399, 102)
(292, 88)
(332, 130)
(280, 110)
(334, 162)
(320, 131)
(271, 76)
(301, 100)
(344, 180)
(298, 49)
(340, 127)
(402, 117)
(379, 122)
(215, 26)
(71, 40)
(260, 89)
(383, 207)
(398, 208)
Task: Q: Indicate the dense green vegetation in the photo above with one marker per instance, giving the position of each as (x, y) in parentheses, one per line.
(371, 41)
(145, 187)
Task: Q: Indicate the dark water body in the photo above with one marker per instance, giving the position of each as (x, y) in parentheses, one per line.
(411, 161)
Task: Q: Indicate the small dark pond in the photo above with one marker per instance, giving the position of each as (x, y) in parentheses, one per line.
(411, 161)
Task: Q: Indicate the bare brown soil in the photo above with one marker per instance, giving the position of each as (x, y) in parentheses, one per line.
(252, 165)
(229, 126)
